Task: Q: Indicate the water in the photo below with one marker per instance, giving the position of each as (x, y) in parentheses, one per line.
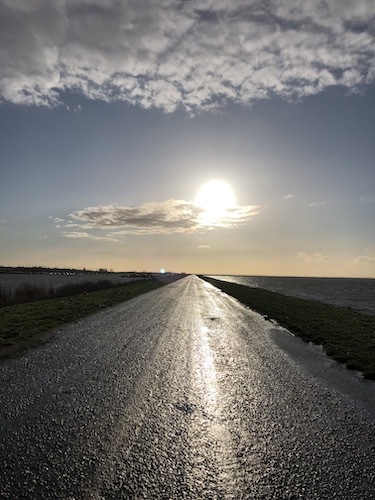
(355, 293)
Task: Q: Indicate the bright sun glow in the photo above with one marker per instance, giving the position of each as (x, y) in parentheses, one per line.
(215, 197)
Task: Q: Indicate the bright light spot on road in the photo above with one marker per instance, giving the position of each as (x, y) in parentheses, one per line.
(207, 370)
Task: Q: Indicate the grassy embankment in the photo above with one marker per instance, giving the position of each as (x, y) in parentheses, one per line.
(346, 336)
(27, 325)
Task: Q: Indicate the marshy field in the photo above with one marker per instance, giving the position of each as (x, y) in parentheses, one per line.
(16, 288)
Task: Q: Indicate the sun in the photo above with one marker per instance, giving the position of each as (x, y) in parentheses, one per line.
(215, 198)
(215, 195)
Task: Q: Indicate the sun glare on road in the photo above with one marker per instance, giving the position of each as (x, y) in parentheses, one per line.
(215, 198)
(205, 378)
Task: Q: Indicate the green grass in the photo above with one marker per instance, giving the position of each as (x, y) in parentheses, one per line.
(27, 325)
(346, 336)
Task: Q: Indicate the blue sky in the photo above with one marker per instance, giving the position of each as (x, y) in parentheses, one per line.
(113, 114)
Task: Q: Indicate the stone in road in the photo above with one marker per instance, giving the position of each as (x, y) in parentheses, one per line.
(180, 393)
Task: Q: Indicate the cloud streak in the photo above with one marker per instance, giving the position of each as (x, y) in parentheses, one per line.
(313, 257)
(171, 216)
(83, 235)
(194, 55)
(364, 259)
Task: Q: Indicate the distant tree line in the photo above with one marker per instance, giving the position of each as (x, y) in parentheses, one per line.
(48, 270)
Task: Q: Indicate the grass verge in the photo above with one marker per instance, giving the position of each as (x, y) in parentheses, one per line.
(346, 336)
(27, 325)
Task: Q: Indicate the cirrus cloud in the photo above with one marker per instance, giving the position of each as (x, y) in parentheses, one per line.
(194, 55)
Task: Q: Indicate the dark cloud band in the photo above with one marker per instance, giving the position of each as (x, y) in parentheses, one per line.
(171, 216)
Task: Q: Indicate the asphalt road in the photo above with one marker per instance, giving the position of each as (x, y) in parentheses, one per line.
(180, 393)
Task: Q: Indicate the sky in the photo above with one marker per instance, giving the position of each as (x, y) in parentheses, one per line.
(114, 114)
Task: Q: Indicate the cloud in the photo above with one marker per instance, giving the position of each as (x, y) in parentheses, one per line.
(364, 259)
(317, 204)
(313, 257)
(367, 199)
(171, 216)
(77, 234)
(288, 196)
(78, 109)
(194, 55)
(57, 220)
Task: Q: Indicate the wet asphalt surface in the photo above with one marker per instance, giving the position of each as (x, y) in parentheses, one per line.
(178, 394)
